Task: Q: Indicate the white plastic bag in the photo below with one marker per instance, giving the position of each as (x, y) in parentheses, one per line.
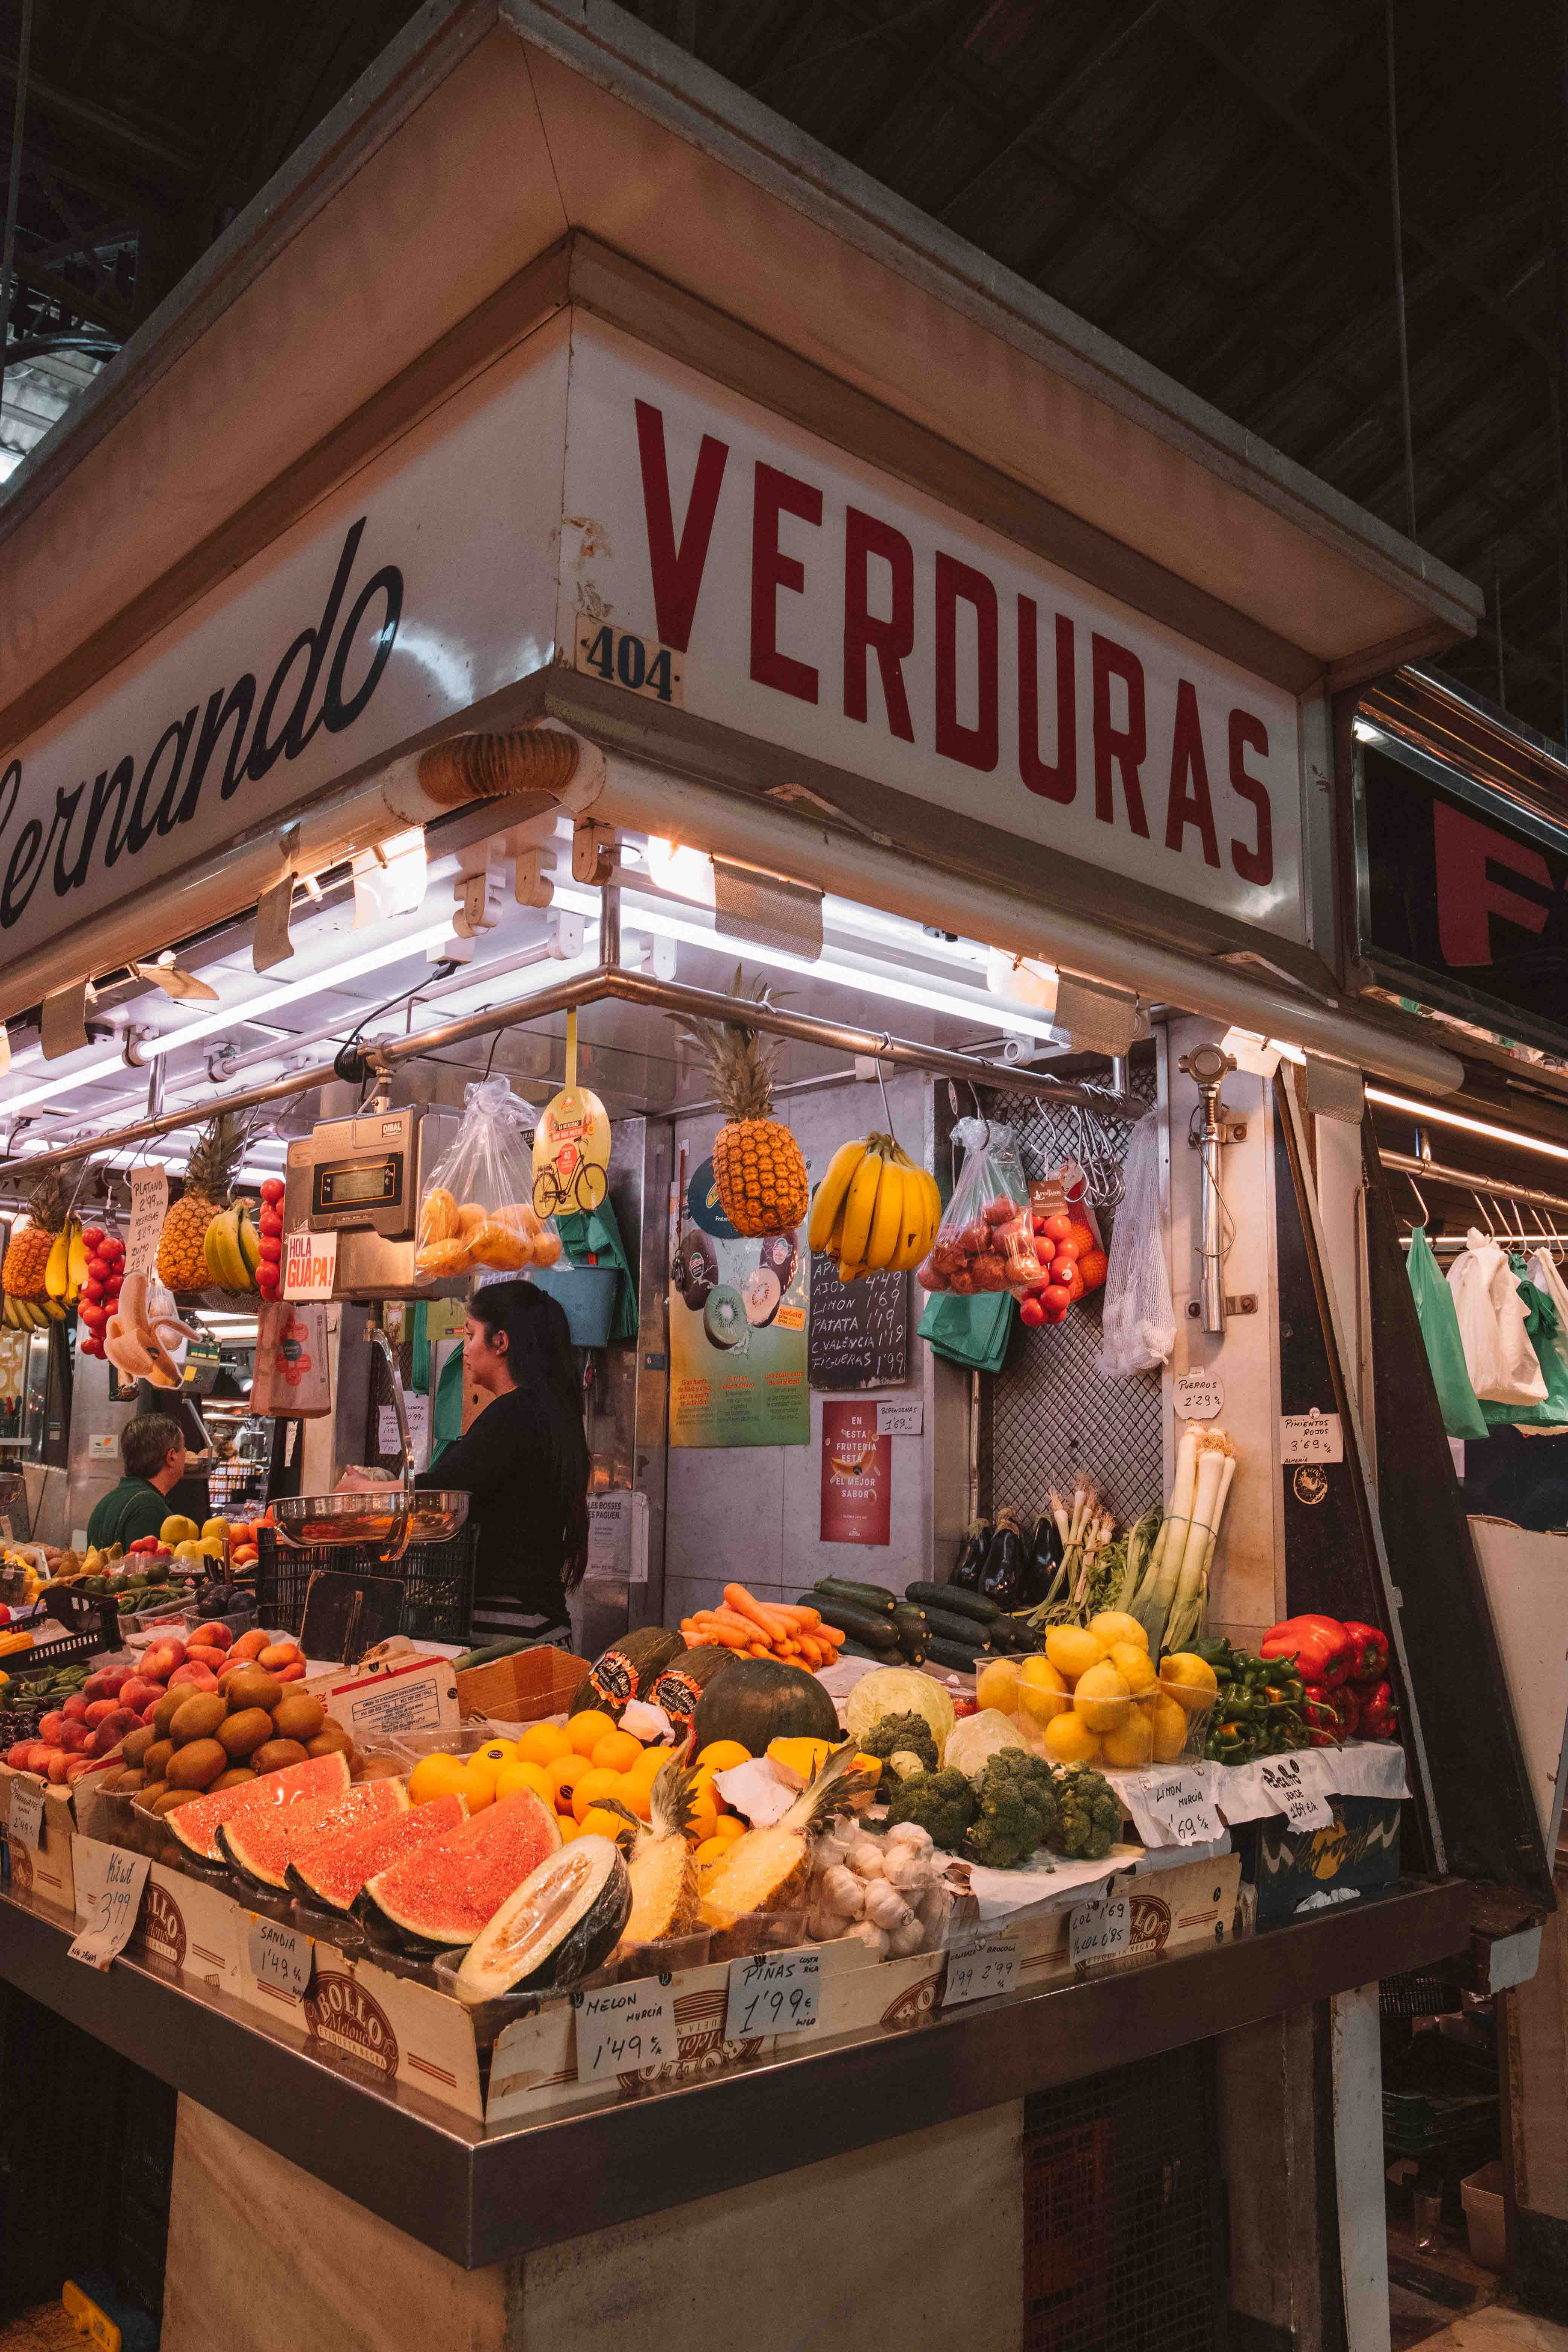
(1139, 1322)
(1503, 1366)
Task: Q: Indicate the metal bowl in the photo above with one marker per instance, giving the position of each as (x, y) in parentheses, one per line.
(437, 1514)
(362, 1517)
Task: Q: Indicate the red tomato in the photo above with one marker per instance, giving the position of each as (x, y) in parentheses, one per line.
(1066, 1248)
(1056, 1315)
(91, 1237)
(1063, 1269)
(272, 1189)
(1057, 1229)
(1057, 1297)
(1031, 1312)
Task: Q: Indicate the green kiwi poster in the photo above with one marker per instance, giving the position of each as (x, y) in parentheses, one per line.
(737, 1330)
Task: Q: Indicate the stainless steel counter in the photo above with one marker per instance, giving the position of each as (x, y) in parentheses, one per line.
(481, 2198)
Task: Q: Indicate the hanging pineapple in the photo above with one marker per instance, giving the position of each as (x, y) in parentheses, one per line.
(26, 1264)
(758, 1167)
(182, 1245)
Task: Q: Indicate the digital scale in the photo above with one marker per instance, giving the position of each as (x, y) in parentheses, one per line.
(360, 1178)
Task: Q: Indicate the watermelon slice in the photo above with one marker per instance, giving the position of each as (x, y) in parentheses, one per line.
(197, 1824)
(262, 1845)
(328, 1866)
(448, 1889)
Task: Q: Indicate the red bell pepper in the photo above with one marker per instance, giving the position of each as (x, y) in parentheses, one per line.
(1371, 1648)
(1319, 1645)
(1331, 1715)
(1379, 1715)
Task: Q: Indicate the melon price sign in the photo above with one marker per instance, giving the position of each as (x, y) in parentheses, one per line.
(773, 1992)
(622, 2028)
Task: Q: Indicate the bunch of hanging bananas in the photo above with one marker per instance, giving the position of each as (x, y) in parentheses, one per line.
(231, 1248)
(30, 1314)
(874, 1208)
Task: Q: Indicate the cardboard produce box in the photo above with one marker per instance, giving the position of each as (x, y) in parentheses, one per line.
(523, 1688)
(42, 1874)
(1297, 1870)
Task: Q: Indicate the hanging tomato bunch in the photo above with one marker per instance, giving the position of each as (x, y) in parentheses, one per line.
(101, 1291)
(270, 1272)
(1077, 1264)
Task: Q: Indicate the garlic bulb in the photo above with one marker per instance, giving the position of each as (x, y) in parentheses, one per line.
(866, 1856)
(825, 1926)
(839, 1890)
(872, 1937)
(903, 1941)
(886, 1907)
(834, 1843)
(909, 1835)
(906, 1869)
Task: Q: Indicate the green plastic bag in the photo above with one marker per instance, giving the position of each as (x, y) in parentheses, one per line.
(1462, 1415)
(972, 1330)
(1540, 1320)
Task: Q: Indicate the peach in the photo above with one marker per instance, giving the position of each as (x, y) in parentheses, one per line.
(95, 1686)
(212, 1636)
(59, 1764)
(112, 1678)
(98, 1712)
(49, 1726)
(75, 1735)
(17, 1758)
(77, 1706)
(162, 1658)
(280, 1653)
(106, 1738)
(196, 1675)
(38, 1757)
(78, 1766)
(151, 1709)
(292, 1672)
(138, 1691)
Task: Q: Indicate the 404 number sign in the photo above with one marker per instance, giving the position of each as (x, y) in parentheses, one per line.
(638, 664)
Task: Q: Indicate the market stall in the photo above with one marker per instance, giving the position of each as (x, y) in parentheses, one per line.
(850, 924)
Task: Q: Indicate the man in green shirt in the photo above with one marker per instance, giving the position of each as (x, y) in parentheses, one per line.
(153, 1451)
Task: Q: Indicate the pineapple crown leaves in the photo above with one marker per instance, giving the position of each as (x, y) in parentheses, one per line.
(671, 1805)
(47, 1201)
(740, 1065)
(840, 1780)
(219, 1149)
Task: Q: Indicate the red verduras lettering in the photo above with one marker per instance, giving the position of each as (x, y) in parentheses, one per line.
(1189, 803)
(1058, 781)
(1467, 896)
(891, 640)
(1249, 734)
(772, 569)
(1119, 747)
(957, 583)
(677, 566)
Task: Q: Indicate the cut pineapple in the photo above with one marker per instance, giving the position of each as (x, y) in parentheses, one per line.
(767, 1870)
(664, 1874)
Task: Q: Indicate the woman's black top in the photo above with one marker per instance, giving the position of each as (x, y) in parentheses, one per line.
(513, 1461)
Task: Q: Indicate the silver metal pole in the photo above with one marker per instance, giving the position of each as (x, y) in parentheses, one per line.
(1399, 276)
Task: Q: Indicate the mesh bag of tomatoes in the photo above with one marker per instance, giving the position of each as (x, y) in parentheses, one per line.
(1074, 1263)
(985, 1240)
(100, 1287)
(270, 1225)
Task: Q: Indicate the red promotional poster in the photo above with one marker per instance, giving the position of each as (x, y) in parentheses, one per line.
(857, 1474)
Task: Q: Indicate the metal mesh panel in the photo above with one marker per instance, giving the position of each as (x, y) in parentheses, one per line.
(1049, 1413)
(1122, 2241)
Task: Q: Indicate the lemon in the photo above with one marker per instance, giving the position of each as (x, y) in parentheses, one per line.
(1168, 1720)
(1189, 1678)
(585, 1731)
(1114, 1625)
(1041, 1691)
(1133, 1742)
(997, 1686)
(1101, 1697)
(542, 1743)
(436, 1776)
(1072, 1650)
(1070, 1741)
(520, 1774)
(1134, 1666)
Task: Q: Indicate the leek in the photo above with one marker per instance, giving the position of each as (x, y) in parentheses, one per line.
(1216, 1468)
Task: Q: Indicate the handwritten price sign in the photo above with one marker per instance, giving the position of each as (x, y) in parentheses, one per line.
(1293, 1783)
(980, 1968)
(310, 1265)
(281, 1958)
(112, 1908)
(773, 1992)
(1181, 1804)
(624, 2027)
(1312, 1437)
(149, 1203)
(1099, 1930)
(26, 1823)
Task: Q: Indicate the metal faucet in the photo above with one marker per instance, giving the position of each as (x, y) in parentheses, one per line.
(1208, 1066)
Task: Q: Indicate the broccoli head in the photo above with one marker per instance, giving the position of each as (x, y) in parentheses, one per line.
(942, 1803)
(1017, 1809)
(1090, 1814)
(901, 1735)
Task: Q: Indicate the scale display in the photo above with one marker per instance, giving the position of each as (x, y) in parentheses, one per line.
(357, 1184)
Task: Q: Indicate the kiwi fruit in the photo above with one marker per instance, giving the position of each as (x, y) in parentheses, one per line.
(234, 1777)
(197, 1765)
(147, 1796)
(253, 1687)
(107, 1782)
(165, 1711)
(273, 1757)
(295, 1716)
(242, 1734)
(198, 1719)
(155, 1759)
(135, 1744)
(129, 1783)
(172, 1799)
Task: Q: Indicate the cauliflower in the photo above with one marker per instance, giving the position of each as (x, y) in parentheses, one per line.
(897, 1740)
(1017, 1810)
(1090, 1814)
(940, 1803)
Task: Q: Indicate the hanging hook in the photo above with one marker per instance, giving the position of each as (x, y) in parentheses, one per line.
(1425, 1212)
(882, 1087)
(1485, 1215)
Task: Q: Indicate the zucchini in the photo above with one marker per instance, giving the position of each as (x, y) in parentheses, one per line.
(912, 1631)
(487, 1656)
(943, 1626)
(954, 1600)
(952, 1654)
(852, 1649)
(905, 1613)
(858, 1596)
(864, 1624)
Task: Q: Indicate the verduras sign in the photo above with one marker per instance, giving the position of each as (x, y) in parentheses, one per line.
(825, 607)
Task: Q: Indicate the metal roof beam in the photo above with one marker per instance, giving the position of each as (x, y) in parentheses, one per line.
(1094, 54)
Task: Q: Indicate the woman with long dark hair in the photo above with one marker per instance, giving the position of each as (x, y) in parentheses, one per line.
(524, 1460)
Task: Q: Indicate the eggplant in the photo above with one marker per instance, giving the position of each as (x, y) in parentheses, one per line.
(1045, 1558)
(972, 1556)
(1005, 1575)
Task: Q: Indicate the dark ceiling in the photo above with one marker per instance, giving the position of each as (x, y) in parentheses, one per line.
(1208, 181)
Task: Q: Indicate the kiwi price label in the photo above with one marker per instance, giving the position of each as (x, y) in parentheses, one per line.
(110, 1898)
(623, 2028)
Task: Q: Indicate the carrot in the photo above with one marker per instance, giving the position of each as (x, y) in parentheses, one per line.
(804, 1620)
(737, 1597)
(758, 1650)
(831, 1634)
(813, 1652)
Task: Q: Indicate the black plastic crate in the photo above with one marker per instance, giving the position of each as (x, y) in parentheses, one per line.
(437, 1581)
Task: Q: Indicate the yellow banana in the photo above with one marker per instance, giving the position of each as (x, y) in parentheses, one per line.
(914, 1236)
(887, 1217)
(832, 1191)
(250, 1245)
(76, 1261)
(860, 1206)
(57, 1273)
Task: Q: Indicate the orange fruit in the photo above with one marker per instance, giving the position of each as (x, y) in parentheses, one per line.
(479, 1784)
(595, 1783)
(729, 1827)
(586, 1731)
(599, 1822)
(567, 1827)
(498, 1752)
(723, 1755)
(618, 1752)
(542, 1743)
(520, 1775)
(436, 1776)
(564, 1775)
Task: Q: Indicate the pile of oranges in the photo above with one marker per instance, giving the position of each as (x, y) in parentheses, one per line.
(583, 1770)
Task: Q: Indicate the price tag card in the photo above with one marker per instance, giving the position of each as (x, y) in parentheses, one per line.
(621, 2027)
(1312, 1437)
(1294, 1784)
(112, 1906)
(26, 1823)
(310, 1265)
(1198, 1396)
(1179, 1804)
(149, 1204)
(979, 1969)
(1100, 1930)
(281, 1958)
(900, 1417)
(773, 1992)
